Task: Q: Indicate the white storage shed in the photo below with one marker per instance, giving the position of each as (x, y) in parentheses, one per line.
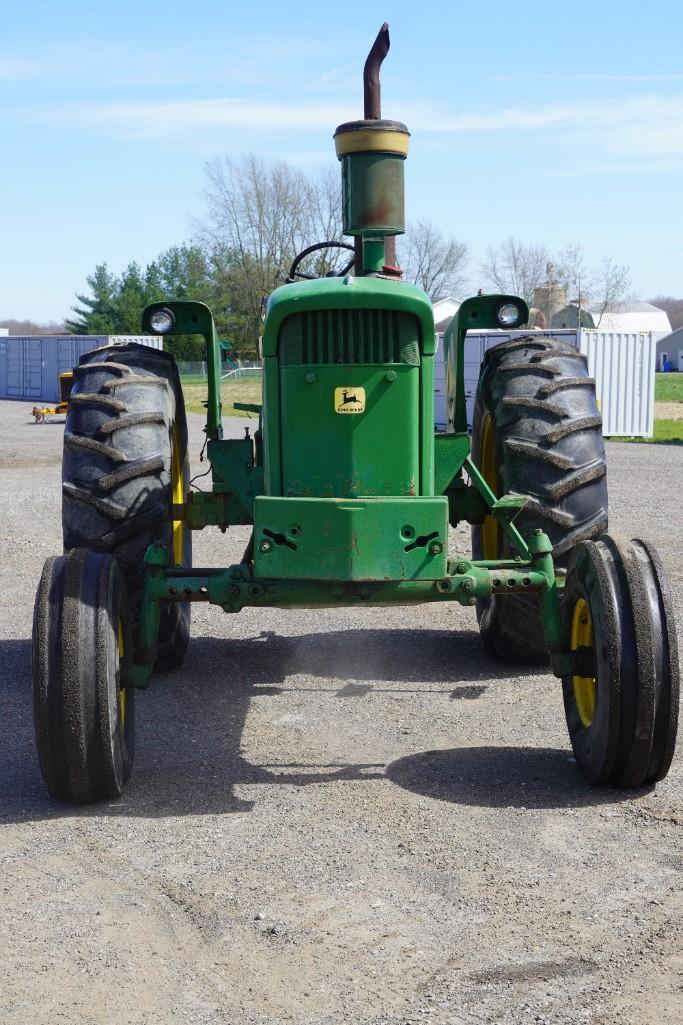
(30, 365)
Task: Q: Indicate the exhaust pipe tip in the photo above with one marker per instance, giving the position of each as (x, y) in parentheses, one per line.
(372, 92)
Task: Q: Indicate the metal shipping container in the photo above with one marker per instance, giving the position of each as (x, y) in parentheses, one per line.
(622, 364)
(30, 365)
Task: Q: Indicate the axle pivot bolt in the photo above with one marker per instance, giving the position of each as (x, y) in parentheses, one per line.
(467, 584)
(462, 567)
(436, 548)
(265, 546)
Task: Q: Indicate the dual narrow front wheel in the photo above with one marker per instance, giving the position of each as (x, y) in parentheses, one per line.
(84, 714)
(621, 702)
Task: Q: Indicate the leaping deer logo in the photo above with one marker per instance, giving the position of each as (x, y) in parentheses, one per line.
(346, 398)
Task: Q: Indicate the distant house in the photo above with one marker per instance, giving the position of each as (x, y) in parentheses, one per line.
(445, 309)
(670, 350)
(620, 317)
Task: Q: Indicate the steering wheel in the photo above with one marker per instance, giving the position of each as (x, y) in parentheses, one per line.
(295, 273)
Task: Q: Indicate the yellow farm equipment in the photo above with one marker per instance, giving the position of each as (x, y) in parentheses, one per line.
(41, 414)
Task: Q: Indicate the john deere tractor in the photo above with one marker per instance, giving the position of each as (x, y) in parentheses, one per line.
(350, 495)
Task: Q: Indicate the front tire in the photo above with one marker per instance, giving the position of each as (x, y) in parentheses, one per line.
(622, 704)
(536, 431)
(84, 714)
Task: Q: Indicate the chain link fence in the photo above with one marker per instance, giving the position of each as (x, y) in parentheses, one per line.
(241, 370)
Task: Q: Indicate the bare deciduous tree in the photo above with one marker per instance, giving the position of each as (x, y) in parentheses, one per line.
(256, 214)
(612, 281)
(324, 220)
(435, 262)
(516, 268)
(573, 273)
(521, 269)
(29, 327)
(259, 216)
(600, 287)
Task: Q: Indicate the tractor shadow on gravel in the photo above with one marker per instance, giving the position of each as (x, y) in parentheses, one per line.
(190, 725)
(501, 777)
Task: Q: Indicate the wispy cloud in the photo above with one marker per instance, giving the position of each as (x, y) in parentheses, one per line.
(673, 76)
(149, 120)
(95, 63)
(645, 125)
(609, 168)
(17, 70)
(648, 126)
(101, 64)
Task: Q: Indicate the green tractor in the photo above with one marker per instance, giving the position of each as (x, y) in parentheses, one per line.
(350, 495)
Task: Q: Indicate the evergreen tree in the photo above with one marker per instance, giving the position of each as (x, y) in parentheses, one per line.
(182, 272)
(97, 314)
(116, 303)
(133, 296)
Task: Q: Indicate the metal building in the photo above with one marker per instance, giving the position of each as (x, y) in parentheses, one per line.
(30, 365)
(670, 351)
(622, 363)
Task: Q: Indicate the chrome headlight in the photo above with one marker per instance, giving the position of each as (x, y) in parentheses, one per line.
(161, 321)
(509, 315)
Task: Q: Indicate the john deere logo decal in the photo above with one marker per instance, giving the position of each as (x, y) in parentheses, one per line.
(349, 400)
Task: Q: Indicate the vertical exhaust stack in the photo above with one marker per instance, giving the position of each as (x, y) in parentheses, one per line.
(372, 152)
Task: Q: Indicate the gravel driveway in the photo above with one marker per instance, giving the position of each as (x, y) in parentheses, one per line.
(336, 816)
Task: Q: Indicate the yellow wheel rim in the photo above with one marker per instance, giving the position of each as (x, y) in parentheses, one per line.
(178, 497)
(585, 687)
(122, 691)
(489, 468)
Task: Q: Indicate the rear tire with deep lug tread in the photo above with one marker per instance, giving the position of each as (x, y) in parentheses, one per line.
(125, 454)
(536, 398)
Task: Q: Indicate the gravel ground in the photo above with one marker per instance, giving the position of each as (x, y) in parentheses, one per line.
(336, 816)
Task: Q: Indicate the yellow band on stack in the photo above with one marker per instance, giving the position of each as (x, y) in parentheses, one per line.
(371, 140)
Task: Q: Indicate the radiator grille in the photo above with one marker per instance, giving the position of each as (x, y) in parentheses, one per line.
(350, 336)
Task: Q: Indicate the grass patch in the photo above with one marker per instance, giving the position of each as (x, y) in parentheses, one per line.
(246, 390)
(668, 387)
(666, 432)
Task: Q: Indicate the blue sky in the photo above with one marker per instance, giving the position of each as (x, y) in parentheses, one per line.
(554, 123)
